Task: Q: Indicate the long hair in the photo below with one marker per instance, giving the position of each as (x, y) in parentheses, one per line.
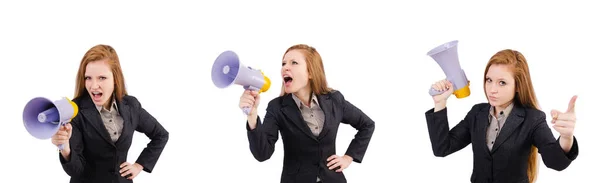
(524, 92)
(101, 53)
(318, 81)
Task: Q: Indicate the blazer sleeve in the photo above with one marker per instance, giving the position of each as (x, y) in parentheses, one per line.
(361, 122)
(157, 134)
(76, 163)
(443, 140)
(552, 154)
(262, 139)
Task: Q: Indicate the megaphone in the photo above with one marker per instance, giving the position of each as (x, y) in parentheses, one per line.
(42, 117)
(446, 56)
(228, 70)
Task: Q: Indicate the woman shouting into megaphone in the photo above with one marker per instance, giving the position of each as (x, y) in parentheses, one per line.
(97, 142)
(307, 114)
(509, 130)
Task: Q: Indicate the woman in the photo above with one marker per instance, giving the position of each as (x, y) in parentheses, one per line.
(307, 114)
(97, 140)
(507, 131)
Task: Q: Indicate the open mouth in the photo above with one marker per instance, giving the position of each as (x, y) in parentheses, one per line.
(96, 95)
(287, 79)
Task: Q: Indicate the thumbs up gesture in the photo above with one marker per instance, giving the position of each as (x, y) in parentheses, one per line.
(564, 122)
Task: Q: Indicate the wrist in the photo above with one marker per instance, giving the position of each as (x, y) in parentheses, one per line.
(138, 166)
(566, 137)
(348, 157)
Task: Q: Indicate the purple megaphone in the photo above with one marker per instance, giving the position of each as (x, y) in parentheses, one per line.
(42, 117)
(228, 70)
(446, 56)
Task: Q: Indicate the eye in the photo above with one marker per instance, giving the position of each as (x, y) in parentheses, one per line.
(282, 64)
(488, 80)
(294, 62)
(102, 78)
(87, 78)
(502, 83)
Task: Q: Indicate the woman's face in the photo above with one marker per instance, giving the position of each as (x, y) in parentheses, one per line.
(99, 81)
(294, 72)
(500, 85)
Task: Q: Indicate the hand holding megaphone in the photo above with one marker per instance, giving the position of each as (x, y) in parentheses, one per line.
(444, 89)
(62, 136)
(249, 101)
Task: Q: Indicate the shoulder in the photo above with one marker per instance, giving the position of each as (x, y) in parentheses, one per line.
(276, 102)
(79, 100)
(131, 101)
(336, 95)
(534, 114)
(481, 106)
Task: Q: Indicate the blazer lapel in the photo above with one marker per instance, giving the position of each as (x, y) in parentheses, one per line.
(482, 117)
(125, 112)
(90, 112)
(327, 107)
(515, 118)
(292, 112)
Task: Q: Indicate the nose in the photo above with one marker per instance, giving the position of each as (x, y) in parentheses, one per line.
(95, 84)
(493, 88)
(285, 68)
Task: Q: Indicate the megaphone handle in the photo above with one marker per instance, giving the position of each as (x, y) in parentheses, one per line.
(247, 110)
(62, 146)
(434, 92)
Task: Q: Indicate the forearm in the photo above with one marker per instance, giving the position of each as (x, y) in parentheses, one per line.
(66, 154)
(252, 121)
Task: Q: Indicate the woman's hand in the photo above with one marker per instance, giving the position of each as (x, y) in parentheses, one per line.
(564, 123)
(335, 161)
(62, 136)
(130, 170)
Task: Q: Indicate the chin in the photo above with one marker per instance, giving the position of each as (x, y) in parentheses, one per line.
(289, 90)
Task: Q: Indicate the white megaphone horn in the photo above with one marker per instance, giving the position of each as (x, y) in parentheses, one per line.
(42, 117)
(228, 70)
(446, 56)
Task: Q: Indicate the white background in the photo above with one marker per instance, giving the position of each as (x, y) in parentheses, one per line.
(374, 53)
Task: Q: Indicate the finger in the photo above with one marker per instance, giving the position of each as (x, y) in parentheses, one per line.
(249, 97)
(563, 123)
(61, 138)
(332, 162)
(439, 86)
(124, 164)
(124, 168)
(331, 157)
(560, 129)
(254, 93)
(337, 164)
(554, 113)
(434, 87)
(126, 173)
(566, 117)
(572, 104)
(62, 134)
(448, 84)
(250, 100)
